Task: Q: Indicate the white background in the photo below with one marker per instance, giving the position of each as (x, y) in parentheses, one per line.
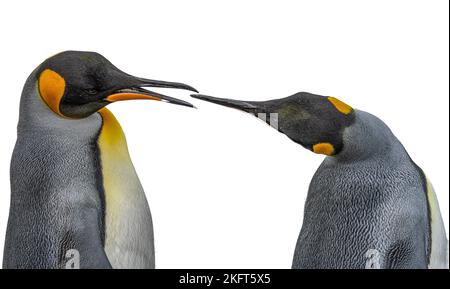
(226, 190)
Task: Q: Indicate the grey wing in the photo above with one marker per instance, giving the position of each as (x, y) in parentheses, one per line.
(56, 210)
(424, 225)
(61, 239)
(409, 241)
(82, 244)
(408, 249)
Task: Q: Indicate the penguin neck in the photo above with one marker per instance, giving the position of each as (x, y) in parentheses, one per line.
(111, 135)
(368, 138)
(36, 116)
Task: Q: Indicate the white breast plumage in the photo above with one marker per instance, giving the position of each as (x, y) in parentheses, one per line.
(128, 223)
(439, 243)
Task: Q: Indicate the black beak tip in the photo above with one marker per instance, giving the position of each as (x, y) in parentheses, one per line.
(182, 103)
(191, 105)
(188, 87)
(193, 89)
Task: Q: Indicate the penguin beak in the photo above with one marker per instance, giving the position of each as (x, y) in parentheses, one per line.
(136, 91)
(264, 110)
(247, 106)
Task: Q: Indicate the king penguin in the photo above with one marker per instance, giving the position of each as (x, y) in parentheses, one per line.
(76, 200)
(368, 205)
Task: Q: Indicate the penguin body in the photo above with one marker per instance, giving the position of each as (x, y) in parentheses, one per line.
(57, 196)
(368, 205)
(369, 209)
(76, 201)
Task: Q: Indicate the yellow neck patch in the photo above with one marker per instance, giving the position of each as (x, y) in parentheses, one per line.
(111, 134)
(51, 88)
(117, 169)
(341, 106)
(323, 148)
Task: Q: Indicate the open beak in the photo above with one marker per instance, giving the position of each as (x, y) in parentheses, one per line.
(136, 91)
(247, 106)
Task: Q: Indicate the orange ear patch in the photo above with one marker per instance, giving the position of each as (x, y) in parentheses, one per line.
(324, 148)
(51, 88)
(341, 106)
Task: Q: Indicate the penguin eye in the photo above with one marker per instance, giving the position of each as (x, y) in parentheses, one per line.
(91, 91)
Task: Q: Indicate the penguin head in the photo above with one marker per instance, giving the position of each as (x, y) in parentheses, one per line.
(76, 84)
(316, 122)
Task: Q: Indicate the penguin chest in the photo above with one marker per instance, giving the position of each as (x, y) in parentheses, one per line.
(128, 222)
